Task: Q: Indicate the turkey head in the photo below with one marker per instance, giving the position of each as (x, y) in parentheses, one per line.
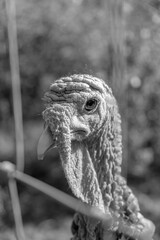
(82, 121)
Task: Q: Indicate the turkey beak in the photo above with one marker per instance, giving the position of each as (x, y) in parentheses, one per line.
(45, 143)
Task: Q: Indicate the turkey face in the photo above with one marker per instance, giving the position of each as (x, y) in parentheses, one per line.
(86, 117)
(75, 111)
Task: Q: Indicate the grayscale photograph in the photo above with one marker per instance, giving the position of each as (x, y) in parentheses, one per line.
(79, 119)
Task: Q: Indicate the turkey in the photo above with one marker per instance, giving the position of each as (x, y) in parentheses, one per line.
(82, 120)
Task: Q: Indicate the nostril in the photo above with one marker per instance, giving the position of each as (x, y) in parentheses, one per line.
(81, 132)
(78, 127)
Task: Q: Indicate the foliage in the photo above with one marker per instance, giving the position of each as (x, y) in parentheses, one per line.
(61, 37)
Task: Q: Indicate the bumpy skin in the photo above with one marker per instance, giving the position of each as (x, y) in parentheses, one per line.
(82, 115)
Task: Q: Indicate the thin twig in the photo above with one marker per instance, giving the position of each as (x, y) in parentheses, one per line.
(63, 198)
(17, 109)
(16, 209)
(109, 219)
(16, 89)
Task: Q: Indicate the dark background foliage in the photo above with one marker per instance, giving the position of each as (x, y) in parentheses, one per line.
(58, 38)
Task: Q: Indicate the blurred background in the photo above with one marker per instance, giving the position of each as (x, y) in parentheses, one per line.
(59, 38)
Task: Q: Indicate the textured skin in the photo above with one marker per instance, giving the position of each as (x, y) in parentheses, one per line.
(90, 147)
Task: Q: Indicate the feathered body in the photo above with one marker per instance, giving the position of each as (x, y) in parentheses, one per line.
(82, 115)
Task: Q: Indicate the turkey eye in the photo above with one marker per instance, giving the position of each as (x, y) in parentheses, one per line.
(91, 104)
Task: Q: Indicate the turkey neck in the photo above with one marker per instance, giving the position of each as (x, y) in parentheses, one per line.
(105, 149)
